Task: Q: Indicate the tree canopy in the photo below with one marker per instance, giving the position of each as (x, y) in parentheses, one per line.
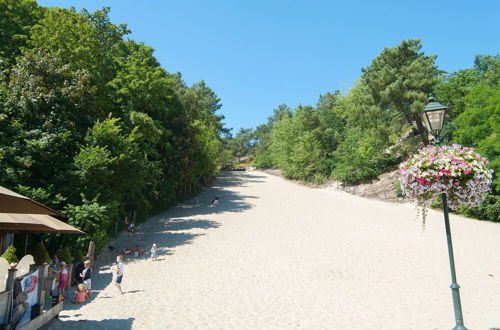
(92, 125)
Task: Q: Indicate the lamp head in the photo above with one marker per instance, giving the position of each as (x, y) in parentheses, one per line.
(433, 116)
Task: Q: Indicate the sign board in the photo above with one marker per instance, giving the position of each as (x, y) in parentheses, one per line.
(29, 284)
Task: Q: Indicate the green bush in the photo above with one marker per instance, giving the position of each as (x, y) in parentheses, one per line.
(263, 161)
(40, 255)
(78, 255)
(100, 238)
(66, 255)
(10, 254)
(397, 189)
(488, 210)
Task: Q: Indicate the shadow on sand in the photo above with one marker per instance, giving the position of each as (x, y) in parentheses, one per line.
(181, 224)
(168, 230)
(122, 324)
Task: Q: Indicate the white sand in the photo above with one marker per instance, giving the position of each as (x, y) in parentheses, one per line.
(277, 255)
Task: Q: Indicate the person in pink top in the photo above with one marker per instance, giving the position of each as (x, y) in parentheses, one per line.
(63, 280)
(80, 295)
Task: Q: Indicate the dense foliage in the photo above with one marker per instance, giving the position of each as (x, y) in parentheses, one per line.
(92, 125)
(355, 137)
(40, 254)
(10, 255)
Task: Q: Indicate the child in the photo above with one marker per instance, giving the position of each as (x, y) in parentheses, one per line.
(80, 295)
(54, 262)
(86, 277)
(63, 280)
(119, 273)
(154, 251)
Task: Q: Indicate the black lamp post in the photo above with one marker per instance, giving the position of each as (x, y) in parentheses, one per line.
(433, 118)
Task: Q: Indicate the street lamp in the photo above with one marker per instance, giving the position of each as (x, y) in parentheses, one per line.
(433, 118)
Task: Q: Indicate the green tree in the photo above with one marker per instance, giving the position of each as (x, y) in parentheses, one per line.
(479, 125)
(18, 17)
(400, 79)
(40, 254)
(89, 216)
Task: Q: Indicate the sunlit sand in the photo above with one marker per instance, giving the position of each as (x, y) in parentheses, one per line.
(278, 255)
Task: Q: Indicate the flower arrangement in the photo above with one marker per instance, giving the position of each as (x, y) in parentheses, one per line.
(459, 172)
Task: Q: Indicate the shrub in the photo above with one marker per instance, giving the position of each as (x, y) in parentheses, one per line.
(264, 160)
(488, 210)
(66, 255)
(10, 254)
(40, 255)
(100, 238)
(397, 189)
(78, 255)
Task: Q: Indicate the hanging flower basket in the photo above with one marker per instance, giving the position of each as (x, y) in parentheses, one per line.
(459, 172)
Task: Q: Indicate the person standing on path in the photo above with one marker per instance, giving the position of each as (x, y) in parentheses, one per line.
(119, 273)
(63, 280)
(154, 252)
(86, 277)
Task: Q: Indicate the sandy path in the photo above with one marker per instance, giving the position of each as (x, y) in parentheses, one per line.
(277, 255)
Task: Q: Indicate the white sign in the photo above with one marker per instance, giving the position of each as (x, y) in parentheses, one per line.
(29, 284)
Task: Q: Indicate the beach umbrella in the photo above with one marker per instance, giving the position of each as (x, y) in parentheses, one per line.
(11, 202)
(34, 223)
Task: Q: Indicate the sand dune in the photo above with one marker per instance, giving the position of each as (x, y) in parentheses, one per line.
(277, 255)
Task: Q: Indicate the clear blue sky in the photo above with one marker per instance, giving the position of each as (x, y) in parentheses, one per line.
(258, 54)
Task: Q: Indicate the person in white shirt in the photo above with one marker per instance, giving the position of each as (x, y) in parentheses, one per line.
(119, 273)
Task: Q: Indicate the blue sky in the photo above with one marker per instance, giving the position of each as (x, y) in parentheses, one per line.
(258, 54)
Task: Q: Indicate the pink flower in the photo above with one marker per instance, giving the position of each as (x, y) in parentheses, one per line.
(438, 177)
(467, 171)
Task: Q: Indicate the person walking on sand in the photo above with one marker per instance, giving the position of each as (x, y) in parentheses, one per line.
(154, 252)
(86, 277)
(119, 273)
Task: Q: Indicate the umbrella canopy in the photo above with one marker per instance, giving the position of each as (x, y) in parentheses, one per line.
(34, 223)
(10, 202)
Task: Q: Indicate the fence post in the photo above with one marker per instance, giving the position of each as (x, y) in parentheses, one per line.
(91, 252)
(43, 272)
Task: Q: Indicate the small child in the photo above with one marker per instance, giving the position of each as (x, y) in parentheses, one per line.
(154, 251)
(54, 262)
(119, 273)
(80, 295)
(63, 280)
(86, 277)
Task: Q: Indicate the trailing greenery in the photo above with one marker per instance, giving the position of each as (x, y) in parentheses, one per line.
(93, 126)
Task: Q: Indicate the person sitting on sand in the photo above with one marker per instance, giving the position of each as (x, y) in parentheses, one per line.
(80, 295)
(215, 201)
